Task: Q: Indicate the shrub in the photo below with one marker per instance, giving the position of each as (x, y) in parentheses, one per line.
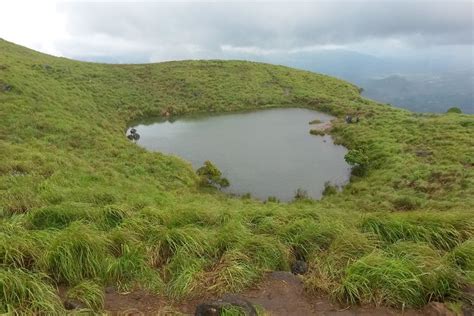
(454, 109)
(301, 194)
(406, 203)
(329, 189)
(211, 176)
(273, 199)
(317, 132)
(356, 157)
(358, 160)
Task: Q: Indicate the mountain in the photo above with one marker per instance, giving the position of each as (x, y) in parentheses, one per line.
(421, 85)
(426, 93)
(86, 214)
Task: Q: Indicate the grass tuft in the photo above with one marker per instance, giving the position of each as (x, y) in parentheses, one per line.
(380, 279)
(78, 252)
(89, 293)
(25, 292)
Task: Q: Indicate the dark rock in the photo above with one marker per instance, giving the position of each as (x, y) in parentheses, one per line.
(133, 131)
(110, 290)
(423, 153)
(6, 87)
(136, 136)
(215, 308)
(207, 309)
(299, 267)
(71, 304)
(130, 136)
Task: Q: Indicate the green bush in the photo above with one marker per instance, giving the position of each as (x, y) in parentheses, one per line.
(211, 176)
(301, 194)
(317, 132)
(406, 203)
(329, 189)
(454, 109)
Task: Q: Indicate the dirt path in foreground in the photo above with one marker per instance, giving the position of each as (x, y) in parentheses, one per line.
(280, 294)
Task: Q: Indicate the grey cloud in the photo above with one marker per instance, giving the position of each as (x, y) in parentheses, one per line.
(200, 30)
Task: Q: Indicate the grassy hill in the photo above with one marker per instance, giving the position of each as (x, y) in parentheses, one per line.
(84, 208)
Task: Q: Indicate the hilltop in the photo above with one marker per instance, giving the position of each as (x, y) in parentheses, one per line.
(83, 208)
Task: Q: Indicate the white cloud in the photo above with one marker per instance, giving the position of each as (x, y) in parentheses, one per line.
(153, 31)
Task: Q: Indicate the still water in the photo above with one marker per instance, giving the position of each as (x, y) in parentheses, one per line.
(265, 153)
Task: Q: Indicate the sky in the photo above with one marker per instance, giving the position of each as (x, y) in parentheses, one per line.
(150, 31)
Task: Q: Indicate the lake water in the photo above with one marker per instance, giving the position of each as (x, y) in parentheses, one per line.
(266, 153)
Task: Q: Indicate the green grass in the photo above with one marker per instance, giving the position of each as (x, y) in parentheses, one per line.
(82, 206)
(89, 293)
(76, 253)
(24, 292)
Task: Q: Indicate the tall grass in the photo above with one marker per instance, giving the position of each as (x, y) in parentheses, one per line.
(89, 293)
(25, 292)
(79, 202)
(380, 279)
(132, 269)
(19, 247)
(463, 257)
(425, 228)
(78, 252)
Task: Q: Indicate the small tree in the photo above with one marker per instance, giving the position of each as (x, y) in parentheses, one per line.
(301, 194)
(211, 176)
(358, 160)
(329, 189)
(454, 109)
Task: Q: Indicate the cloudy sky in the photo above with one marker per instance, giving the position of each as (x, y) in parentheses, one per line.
(155, 31)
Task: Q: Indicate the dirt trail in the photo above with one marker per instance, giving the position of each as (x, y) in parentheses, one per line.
(280, 294)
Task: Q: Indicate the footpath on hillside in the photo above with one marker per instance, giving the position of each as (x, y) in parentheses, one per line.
(280, 294)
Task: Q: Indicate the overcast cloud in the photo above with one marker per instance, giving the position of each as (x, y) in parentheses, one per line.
(150, 31)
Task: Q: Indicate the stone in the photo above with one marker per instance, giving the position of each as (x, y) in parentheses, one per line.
(6, 87)
(216, 307)
(71, 304)
(110, 289)
(299, 267)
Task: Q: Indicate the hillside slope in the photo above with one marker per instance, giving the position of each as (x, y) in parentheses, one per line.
(84, 208)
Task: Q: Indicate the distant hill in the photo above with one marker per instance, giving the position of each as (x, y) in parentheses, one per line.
(417, 85)
(426, 93)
